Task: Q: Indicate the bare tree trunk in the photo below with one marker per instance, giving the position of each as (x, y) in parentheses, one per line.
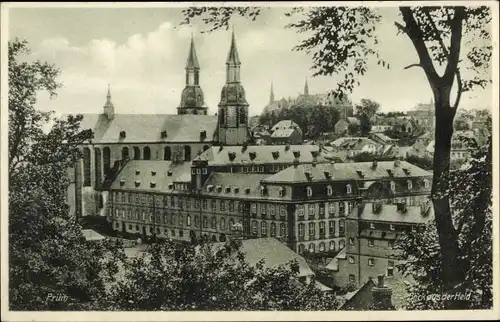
(451, 269)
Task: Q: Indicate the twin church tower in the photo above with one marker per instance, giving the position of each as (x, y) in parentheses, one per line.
(232, 116)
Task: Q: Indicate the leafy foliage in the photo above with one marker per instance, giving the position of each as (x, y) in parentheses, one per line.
(313, 120)
(47, 251)
(471, 199)
(174, 277)
(420, 161)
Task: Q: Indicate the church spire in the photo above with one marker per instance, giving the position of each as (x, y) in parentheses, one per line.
(233, 63)
(109, 109)
(233, 58)
(271, 96)
(192, 61)
(306, 88)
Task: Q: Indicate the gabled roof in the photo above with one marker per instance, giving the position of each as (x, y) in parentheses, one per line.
(353, 143)
(147, 128)
(147, 171)
(285, 124)
(390, 213)
(283, 133)
(242, 181)
(346, 171)
(273, 252)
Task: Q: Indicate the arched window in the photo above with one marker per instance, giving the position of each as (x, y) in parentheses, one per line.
(205, 222)
(167, 153)
(97, 166)
(426, 184)
(342, 244)
(187, 153)
(349, 189)
(147, 153)
(125, 153)
(205, 147)
(321, 247)
(329, 190)
(332, 245)
(106, 159)
(86, 167)
(214, 223)
(137, 153)
(312, 248)
(301, 248)
(222, 116)
(309, 191)
(222, 237)
(223, 224)
(254, 227)
(393, 186)
(409, 184)
(214, 238)
(273, 229)
(263, 228)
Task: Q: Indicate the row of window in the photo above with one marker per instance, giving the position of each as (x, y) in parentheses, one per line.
(322, 228)
(272, 229)
(322, 246)
(371, 262)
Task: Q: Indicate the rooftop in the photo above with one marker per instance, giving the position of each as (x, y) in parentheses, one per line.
(347, 171)
(390, 213)
(282, 133)
(241, 185)
(353, 143)
(148, 175)
(146, 128)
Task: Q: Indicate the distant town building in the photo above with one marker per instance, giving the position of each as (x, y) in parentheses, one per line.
(356, 145)
(286, 136)
(342, 127)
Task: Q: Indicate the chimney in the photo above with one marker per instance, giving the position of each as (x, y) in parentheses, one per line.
(374, 164)
(123, 134)
(221, 146)
(287, 147)
(397, 163)
(244, 147)
(295, 163)
(382, 296)
(296, 154)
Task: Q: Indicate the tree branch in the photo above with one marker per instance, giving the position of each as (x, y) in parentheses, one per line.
(415, 34)
(456, 39)
(459, 90)
(413, 65)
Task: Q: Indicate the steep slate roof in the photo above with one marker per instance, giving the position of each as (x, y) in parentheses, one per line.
(384, 137)
(346, 171)
(274, 254)
(263, 154)
(389, 213)
(147, 128)
(282, 133)
(285, 124)
(234, 180)
(145, 176)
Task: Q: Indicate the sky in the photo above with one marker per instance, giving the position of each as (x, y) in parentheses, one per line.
(142, 53)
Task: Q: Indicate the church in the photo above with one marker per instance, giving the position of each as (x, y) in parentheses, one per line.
(119, 138)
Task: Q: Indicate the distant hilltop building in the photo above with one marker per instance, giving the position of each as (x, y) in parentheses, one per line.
(305, 99)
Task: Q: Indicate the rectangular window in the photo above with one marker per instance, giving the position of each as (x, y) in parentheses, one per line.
(263, 209)
(312, 227)
(205, 204)
(282, 230)
(331, 227)
(300, 211)
(322, 209)
(371, 242)
(214, 205)
(301, 229)
(390, 268)
(263, 228)
(272, 210)
(254, 208)
(371, 261)
(311, 210)
(197, 203)
(188, 203)
(391, 226)
(222, 205)
(341, 227)
(231, 206)
(283, 210)
(352, 278)
(322, 228)
(331, 208)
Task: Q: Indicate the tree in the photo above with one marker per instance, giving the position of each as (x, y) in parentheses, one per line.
(342, 41)
(420, 161)
(367, 107)
(471, 200)
(207, 277)
(47, 251)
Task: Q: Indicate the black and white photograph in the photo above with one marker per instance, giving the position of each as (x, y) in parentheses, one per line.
(312, 161)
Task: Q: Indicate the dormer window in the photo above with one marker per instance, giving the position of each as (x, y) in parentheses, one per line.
(282, 192)
(203, 135)
(390, 172)
(329, 190)
(122, 182)
(218, 188)
(426, 184)
(169, 173)
(328, 174)
(275, 154)
(393, 186)
(231, 155)
(210, 188)
(236, 190)
(228, 189)
(407, 171)
(170, 186)
(153, 173)
(252, 155)
(137, 172)
(153, 184)
(123, 134)
(296, 154)
(409, 184)
(262, 191)
(361, 173)
(137, 183)
(348, 189)
(163, 134)
(309, 191)
(247, 191)
(309, 175)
